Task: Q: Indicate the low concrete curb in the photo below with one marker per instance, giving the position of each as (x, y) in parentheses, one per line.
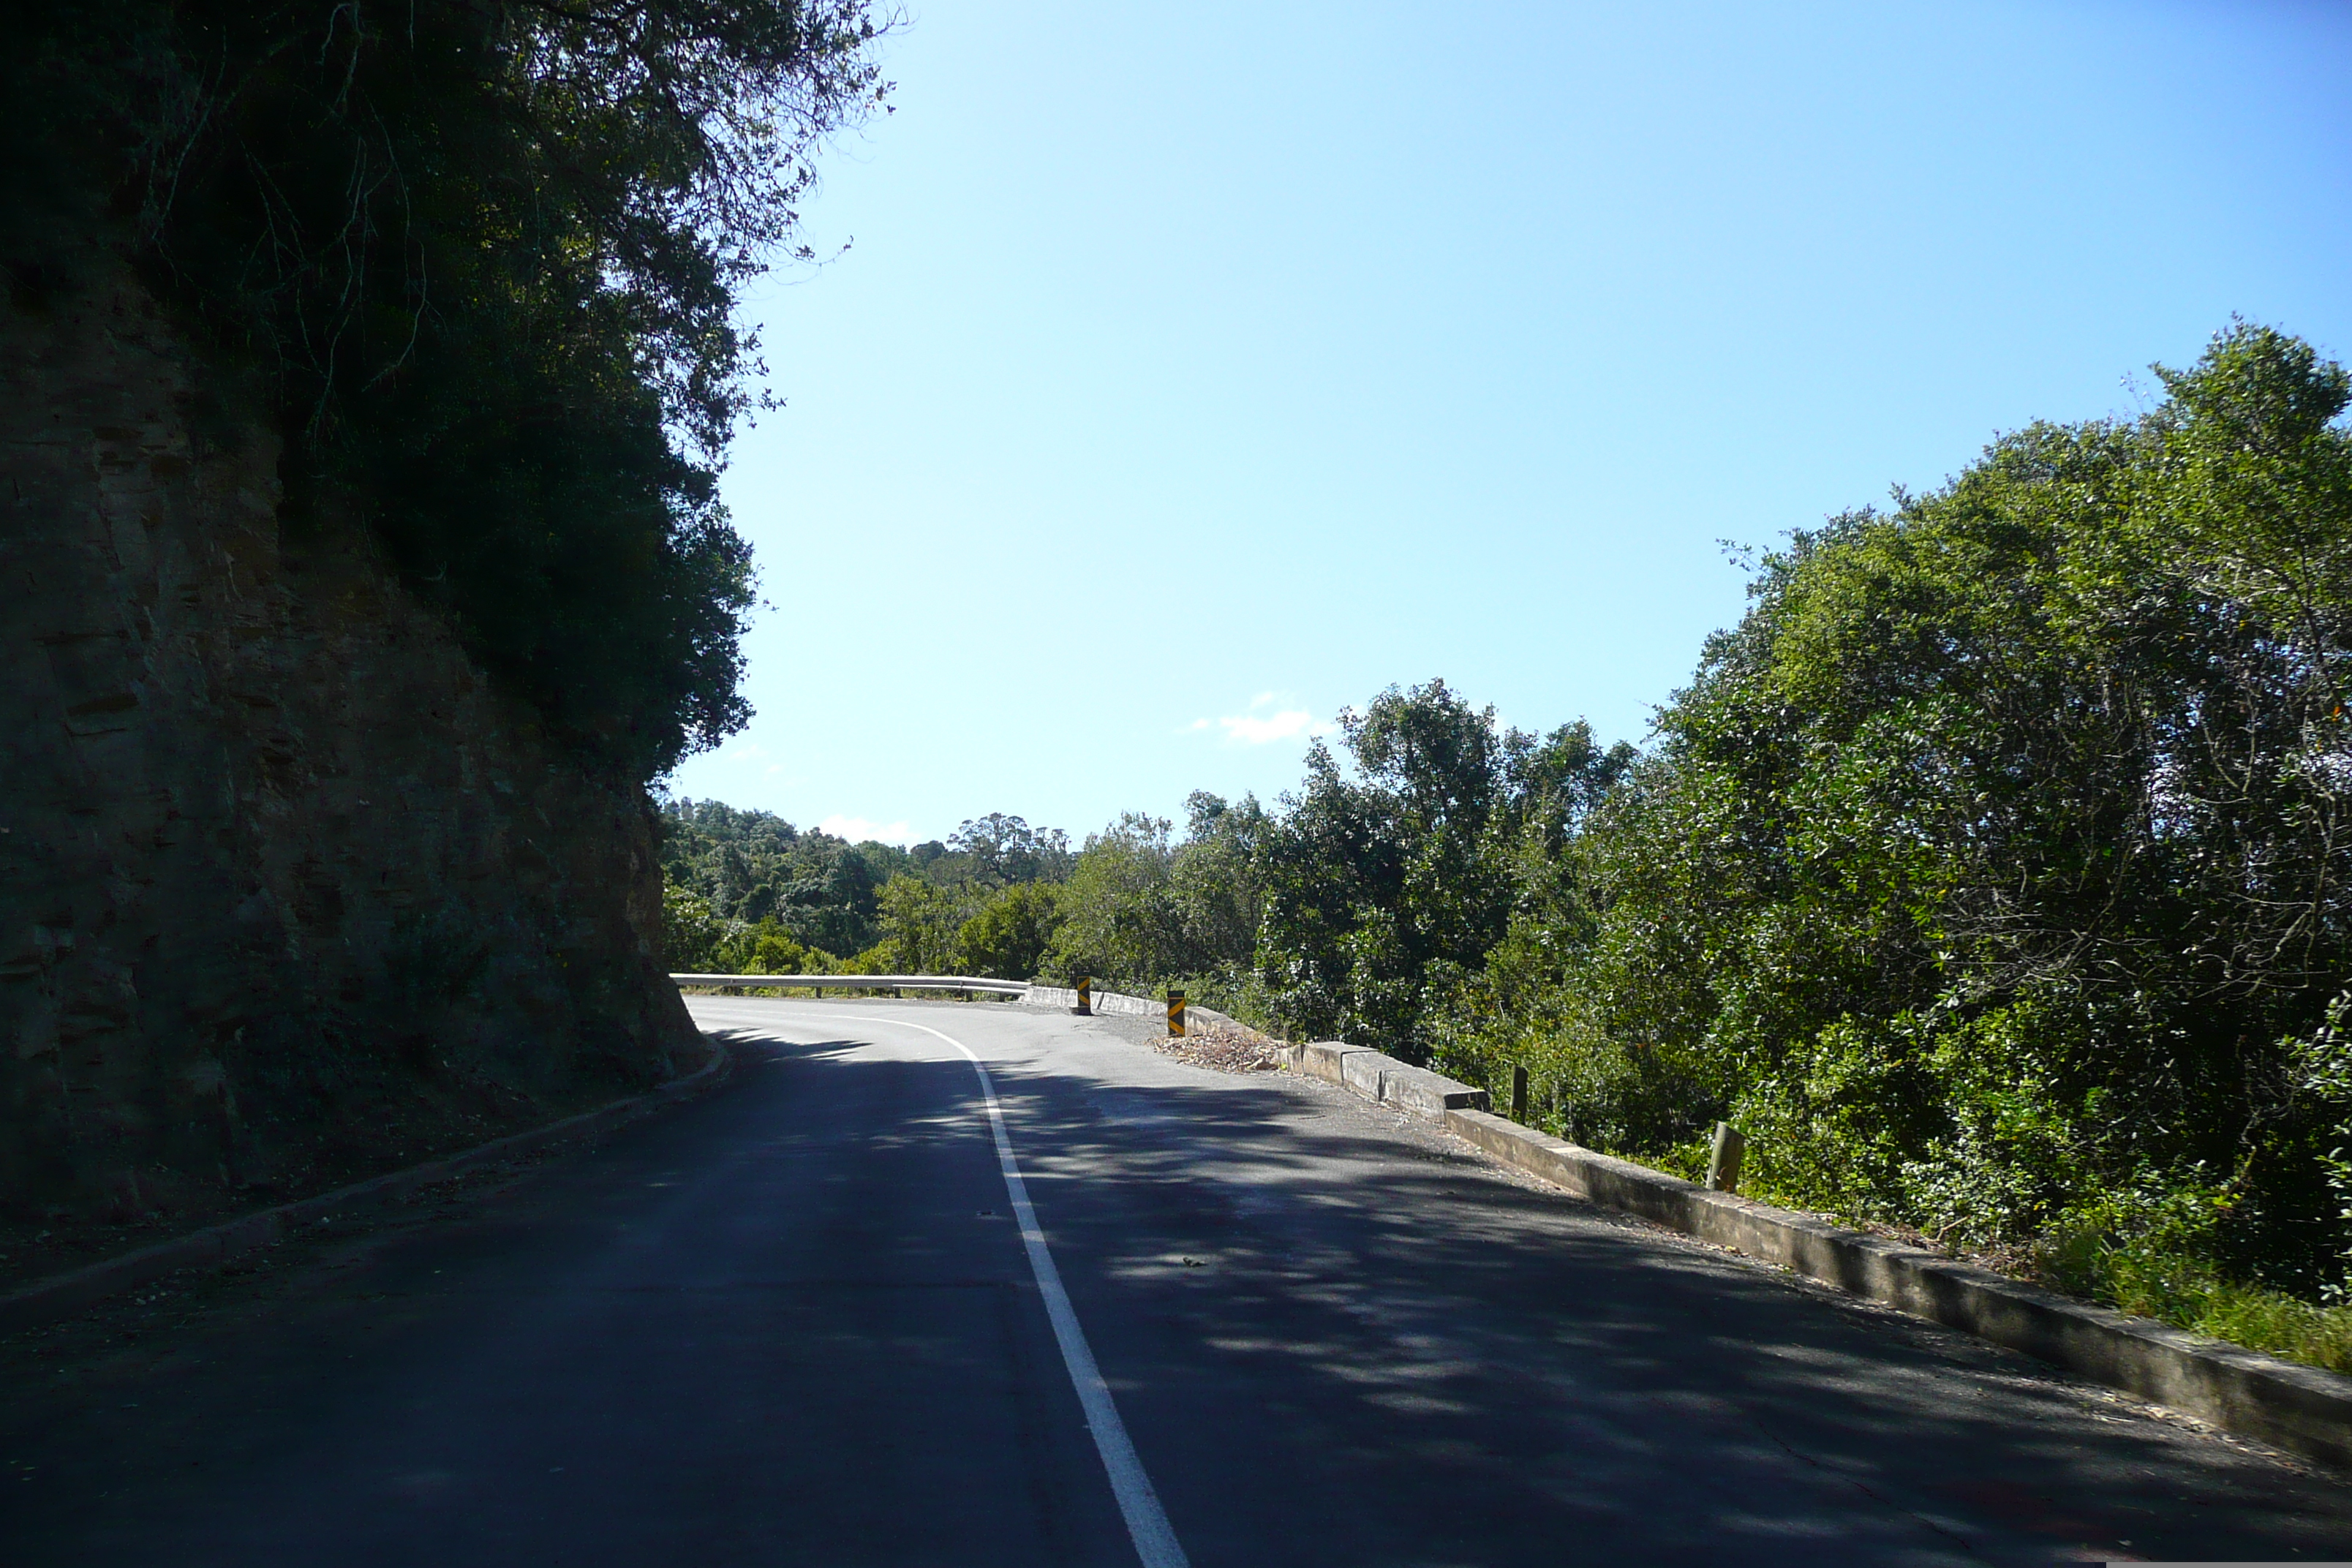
(2299, 1408)
(63, 1295)
(1382, 1078)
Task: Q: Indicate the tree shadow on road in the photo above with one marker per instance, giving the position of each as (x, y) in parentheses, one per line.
(1429, 1333)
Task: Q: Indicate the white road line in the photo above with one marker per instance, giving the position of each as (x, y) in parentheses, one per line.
(1146, 1522)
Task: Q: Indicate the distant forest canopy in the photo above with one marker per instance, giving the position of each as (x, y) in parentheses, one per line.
(749, 893)
(478, 263)
(1993, 874)
(739, 879)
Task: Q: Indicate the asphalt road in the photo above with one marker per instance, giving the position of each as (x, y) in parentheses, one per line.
(798, 1321)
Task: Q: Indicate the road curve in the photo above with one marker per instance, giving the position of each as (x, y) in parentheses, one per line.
(812, 1319)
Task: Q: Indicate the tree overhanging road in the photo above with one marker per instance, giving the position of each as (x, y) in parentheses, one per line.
(797, 1322)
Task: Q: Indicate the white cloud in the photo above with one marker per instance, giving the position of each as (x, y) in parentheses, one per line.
(1265, 721)
(857, 830)
(1257, 729)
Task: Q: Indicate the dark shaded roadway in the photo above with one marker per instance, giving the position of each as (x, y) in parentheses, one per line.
(794, 1323)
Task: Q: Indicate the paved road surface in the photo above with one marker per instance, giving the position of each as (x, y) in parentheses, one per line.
(796, 1323)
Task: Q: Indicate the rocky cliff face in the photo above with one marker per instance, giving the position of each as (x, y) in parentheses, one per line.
(287, 889)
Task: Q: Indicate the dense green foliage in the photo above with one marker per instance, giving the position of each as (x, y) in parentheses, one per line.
(1140, 911)
(1012, 934)
(1991, 875)
(1385, 891)
(747, 869)
(749, 893)
(481, 257)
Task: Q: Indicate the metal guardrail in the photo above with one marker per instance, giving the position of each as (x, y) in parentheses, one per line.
(1031, 992)
(820, 983)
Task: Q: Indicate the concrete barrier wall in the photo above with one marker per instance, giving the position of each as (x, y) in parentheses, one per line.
(1066, 997)
(1062, 998)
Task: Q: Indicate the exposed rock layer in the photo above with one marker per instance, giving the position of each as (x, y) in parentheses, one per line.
(287, 888)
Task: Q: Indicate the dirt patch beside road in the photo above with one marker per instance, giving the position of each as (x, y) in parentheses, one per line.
(1218, 1045)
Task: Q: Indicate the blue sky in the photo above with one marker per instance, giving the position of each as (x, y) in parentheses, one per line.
(1194, 373)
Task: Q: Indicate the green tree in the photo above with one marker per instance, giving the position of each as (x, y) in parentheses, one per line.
(750, 865)
(920, 921)
(1119, 923)
(1214, 885)
(1385, 891)
(1994, 871)
(768, 948)
(998, 850)
(1010, 936)
(692, 932)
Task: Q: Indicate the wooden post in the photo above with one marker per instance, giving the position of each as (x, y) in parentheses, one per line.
(1519, 1095)
(1722, 1164)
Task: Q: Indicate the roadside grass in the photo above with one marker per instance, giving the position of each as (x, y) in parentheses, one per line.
(2187, 1293)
